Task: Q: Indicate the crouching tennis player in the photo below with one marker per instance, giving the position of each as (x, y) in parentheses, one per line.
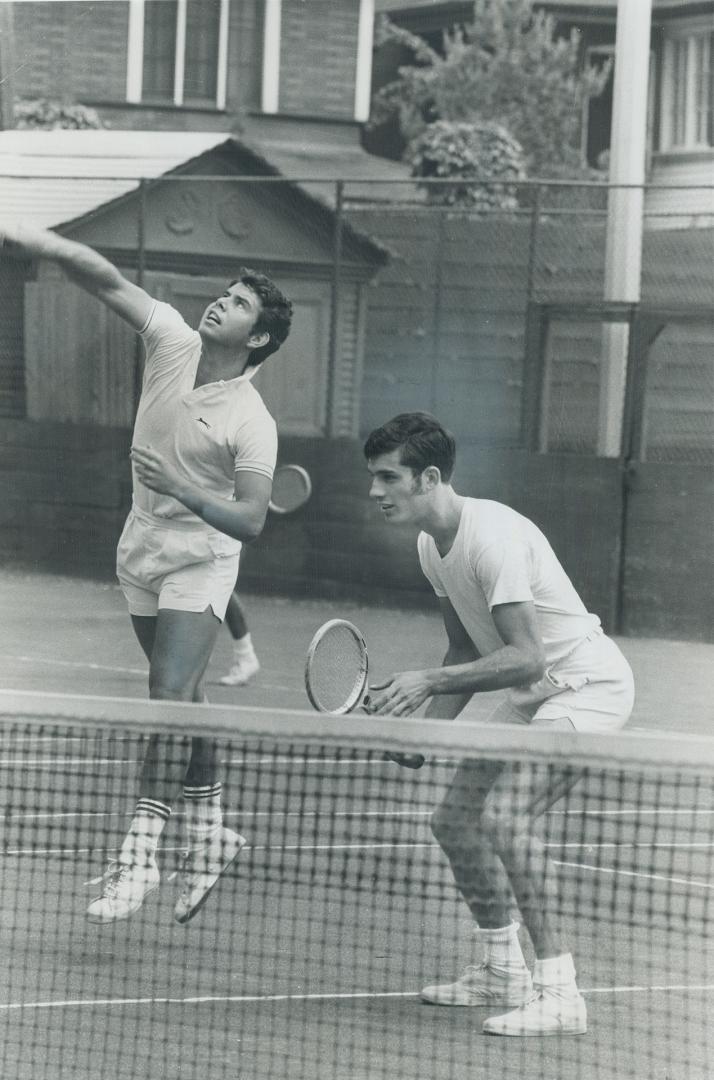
(203, 454)
(515, 622)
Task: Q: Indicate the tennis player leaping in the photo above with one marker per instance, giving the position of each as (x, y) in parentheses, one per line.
(203, 454)
(515, 622)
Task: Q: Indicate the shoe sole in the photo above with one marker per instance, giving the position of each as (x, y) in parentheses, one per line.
(99, 921)
(579, 1030)
(506, 1003)
(183, 919)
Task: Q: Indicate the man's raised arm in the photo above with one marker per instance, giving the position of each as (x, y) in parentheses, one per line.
(86, 267)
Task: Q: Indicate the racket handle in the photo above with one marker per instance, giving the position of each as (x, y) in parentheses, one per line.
(407, 761)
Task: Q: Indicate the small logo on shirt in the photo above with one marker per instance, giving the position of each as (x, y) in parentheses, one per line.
(200, 420)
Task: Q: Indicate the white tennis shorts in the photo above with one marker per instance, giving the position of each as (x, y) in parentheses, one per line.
(176, 565)
(592, 688)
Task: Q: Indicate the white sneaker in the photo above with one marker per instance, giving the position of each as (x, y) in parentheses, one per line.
(125, 886)
(547, 1012)
(202, 869)
(481, 985)
(243, 670)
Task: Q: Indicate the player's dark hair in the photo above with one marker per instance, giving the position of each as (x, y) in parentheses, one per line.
(421, 440)
(275, 316)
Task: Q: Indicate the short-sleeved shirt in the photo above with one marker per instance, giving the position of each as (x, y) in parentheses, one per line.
(500, 557)
(208, 433)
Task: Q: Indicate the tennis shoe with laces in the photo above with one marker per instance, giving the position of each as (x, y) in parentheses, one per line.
(125, 886)
(482, 985)
(243, 670)
(548, 1011)
(201, 870)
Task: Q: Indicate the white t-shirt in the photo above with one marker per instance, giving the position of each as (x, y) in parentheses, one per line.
(208, 433)
(500, 557)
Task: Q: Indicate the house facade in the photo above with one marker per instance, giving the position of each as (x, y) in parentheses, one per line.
(681, 98)
(282, 86)
(194, 64)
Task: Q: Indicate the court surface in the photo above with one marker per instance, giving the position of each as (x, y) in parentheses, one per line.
(337, 988)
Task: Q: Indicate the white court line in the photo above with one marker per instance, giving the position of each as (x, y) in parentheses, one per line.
(689, 882)
(48, 762)
(51, 815)
(78, 664)
(420, 844)
(212, 999)
(144, 672)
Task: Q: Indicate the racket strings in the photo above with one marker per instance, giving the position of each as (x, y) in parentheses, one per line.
(291, 489)
(337, 670)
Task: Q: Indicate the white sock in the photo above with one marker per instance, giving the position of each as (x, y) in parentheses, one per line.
(142, 840)
(557, 973)
(243, 646)
(501, 948)
(204, 816)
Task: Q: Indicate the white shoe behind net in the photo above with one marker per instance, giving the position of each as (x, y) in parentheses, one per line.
(242, 671)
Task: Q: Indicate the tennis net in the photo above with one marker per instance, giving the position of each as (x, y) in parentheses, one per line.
(309, 957)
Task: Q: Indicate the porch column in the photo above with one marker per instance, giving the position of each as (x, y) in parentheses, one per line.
(623, 248)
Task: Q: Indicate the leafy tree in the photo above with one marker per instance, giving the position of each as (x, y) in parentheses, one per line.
(507, 66)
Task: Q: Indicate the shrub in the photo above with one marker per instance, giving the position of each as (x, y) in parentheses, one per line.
(49, 115)
(472, 152)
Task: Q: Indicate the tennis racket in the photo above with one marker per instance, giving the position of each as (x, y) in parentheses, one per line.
(336, 674)
(292, 488)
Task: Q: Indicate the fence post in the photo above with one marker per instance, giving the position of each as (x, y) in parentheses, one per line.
(533, 245)
(140, 271)
(336, 286)
(438, 307)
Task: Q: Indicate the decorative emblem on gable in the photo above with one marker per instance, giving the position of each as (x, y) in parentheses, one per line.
(231, 216)
(181, 219)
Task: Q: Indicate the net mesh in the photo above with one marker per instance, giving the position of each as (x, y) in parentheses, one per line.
(336, 668)
(309, 956)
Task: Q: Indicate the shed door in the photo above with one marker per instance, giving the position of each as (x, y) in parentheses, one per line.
(293, 382)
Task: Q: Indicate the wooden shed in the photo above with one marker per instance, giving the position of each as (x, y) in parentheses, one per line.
(184, 234)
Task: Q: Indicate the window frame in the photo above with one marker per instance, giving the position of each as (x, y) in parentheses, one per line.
(135, 58)
(675, 99)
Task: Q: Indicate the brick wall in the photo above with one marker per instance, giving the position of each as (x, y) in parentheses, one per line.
(318, 57)
(77, 52)
(68, 51)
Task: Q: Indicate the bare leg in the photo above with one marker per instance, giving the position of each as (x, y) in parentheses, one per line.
(235, 618)
(477, 868)
(520, 795)
(178, 645)
(245, 663)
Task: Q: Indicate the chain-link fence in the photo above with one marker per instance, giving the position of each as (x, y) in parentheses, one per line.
(403, 300)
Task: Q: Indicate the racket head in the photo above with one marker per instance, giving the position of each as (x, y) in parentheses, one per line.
(337, 667)
(292, 487)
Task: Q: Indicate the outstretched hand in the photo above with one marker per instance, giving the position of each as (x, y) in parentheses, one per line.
(18, 232)
(400, 695)
(155, 472)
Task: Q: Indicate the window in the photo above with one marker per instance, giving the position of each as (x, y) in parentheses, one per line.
(688, 87)
(178, 52)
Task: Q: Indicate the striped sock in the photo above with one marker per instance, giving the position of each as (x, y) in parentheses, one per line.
(204, 816)
(146, 827)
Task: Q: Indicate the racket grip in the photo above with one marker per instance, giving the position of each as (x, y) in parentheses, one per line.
(407, 761)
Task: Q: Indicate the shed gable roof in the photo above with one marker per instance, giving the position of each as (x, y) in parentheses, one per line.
(78, 180)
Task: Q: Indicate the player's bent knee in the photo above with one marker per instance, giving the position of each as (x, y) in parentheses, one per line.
(164, 690)
(447, 826)
(501, 828)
